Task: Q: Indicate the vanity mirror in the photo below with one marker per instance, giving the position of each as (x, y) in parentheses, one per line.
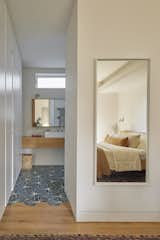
(48, 112)
(121, 148)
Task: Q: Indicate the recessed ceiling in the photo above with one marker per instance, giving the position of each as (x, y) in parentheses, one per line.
(40, 27)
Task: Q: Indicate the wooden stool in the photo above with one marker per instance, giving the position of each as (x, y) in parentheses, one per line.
(26, 161)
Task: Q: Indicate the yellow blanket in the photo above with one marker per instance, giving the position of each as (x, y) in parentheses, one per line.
(122, 158)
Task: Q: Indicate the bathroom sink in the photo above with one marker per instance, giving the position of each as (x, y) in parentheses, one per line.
(51, 134)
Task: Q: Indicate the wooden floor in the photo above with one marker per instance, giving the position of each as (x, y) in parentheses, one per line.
(46, 219)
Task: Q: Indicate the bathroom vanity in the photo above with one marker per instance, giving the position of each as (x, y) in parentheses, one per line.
(42, 142)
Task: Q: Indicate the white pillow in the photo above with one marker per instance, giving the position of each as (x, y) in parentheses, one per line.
(143, 142)
(133, 138)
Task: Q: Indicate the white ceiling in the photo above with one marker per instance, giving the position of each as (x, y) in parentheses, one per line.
(132, 78)
(129, 84)
(40, 27)
(107, 67)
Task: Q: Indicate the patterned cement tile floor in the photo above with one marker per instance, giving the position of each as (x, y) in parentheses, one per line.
(41, 184)
(134, 176)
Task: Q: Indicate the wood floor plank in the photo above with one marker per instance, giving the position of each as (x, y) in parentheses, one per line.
(47, 219)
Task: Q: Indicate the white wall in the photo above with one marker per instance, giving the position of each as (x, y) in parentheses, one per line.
(40, 156)
(116, 29)
(71, 110)
(132, 104)
(107, 114)
(10, 108)
(111, 107)
(48, 156)
(133, 107)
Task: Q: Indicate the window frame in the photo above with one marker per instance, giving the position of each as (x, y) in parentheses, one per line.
(49, 75)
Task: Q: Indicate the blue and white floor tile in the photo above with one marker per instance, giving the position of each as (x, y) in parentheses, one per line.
(41, 184)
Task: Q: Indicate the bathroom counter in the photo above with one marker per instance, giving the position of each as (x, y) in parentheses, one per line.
(42, 142)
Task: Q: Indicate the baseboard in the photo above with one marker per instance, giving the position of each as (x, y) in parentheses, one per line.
(2, 209)
(72, 207)
(14, 183)
(102, 216)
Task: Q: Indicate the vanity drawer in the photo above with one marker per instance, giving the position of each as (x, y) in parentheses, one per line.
(42, 142)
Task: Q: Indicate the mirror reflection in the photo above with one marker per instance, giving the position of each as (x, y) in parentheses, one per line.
(121, 120)
(48, 112)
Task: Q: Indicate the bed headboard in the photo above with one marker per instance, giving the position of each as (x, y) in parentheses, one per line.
(133, 132)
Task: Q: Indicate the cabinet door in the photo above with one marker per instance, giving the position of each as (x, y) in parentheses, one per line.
(10, 108)
(9, 112)
(2, 107)
(17, 118)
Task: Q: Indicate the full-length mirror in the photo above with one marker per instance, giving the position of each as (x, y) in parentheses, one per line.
(48, 112)
(121, 120)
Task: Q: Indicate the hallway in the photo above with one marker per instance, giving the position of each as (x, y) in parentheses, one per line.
(79, 122)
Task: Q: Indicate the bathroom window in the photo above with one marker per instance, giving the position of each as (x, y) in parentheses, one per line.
(47, 81)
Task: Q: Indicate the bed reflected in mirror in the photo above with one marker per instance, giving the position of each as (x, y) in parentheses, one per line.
(121, 120)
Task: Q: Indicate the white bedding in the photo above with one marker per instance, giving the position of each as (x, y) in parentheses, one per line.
(123, 158)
